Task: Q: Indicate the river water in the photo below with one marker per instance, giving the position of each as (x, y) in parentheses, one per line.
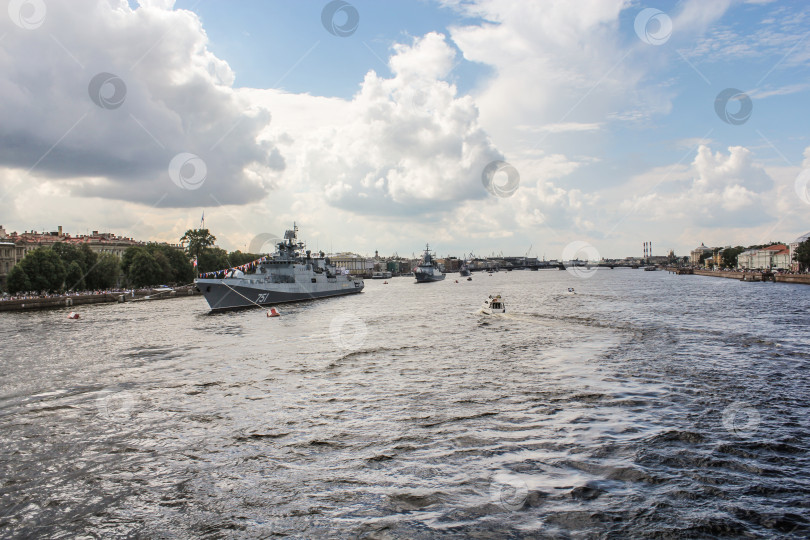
(644, 405)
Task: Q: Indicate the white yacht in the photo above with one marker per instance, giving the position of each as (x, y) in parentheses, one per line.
(493, 305)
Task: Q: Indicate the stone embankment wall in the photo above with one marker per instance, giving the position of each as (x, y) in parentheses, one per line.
(79, 300)
(780, 278)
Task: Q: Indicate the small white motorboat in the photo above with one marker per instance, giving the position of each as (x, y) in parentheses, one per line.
(493, 305)
(571, 290)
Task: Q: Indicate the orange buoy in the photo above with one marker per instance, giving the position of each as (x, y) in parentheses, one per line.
(273, 313)
(73, 315)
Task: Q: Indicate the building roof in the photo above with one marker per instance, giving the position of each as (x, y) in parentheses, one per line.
(777, 247)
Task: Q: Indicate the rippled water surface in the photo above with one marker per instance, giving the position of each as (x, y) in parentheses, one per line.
(644, 405)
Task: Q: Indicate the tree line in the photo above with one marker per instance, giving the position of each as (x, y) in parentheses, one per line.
(71, 267)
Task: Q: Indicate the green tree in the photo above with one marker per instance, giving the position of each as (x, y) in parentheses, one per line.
(802, 255)
(196, 241)
(237, 258)
(81, 254)
(144, 270)
(166, 272)
(106, 272)
(213, 259)
(74, 279)
(177, 264)
(128, 256)
(730, 256)
(18, 280)
(44, 269)
(90, 259)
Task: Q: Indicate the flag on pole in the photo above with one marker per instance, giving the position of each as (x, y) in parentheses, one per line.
(194, 262)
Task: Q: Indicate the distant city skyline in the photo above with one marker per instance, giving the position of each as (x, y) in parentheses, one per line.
(480, 126)
(267, 241)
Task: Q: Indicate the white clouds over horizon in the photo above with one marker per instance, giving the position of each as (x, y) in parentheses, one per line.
(404, 145)
(400, 159)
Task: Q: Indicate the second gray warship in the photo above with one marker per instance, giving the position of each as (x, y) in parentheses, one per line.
(428, 270)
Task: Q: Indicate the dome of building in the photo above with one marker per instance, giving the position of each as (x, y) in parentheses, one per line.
(801, 239)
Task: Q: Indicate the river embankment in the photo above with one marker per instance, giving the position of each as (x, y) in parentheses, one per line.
(73, 300)
(756, 276)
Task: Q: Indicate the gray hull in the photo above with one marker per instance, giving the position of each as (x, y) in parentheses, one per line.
(426, 278)
(222, 295)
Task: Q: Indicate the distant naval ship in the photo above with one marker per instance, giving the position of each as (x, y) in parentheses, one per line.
(288, 275)
(428, 269)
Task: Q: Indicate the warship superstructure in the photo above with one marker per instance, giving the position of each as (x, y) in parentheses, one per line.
(291, 274)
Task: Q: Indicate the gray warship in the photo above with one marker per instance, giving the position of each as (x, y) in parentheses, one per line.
(428, 270)
(288, 275)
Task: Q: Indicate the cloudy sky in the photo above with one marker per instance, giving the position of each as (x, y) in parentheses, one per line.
(476, 125)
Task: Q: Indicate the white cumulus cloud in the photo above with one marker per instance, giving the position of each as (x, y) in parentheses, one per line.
(113, 136)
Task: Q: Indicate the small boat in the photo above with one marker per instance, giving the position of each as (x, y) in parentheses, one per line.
(493, 305)
(381, 275)
(273, 313)
(469, 279)
(571, 290)
(73, 315)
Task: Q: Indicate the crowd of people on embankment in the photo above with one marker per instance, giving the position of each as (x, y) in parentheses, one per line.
(32, 295)
(754, 270)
